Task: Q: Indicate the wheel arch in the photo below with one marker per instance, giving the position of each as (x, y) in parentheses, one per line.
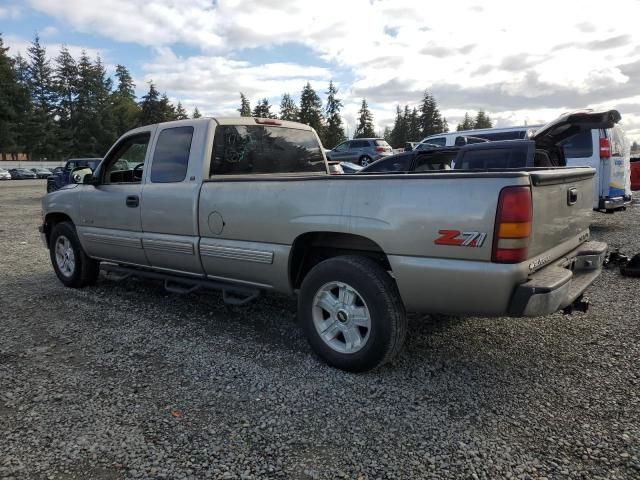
(51, 220)
(311, 248)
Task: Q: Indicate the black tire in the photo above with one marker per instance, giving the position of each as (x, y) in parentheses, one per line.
(378, 291)
(365, 160)
(85, 270)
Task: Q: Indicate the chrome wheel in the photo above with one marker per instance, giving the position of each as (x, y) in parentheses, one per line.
(341, 317)
(65, 257)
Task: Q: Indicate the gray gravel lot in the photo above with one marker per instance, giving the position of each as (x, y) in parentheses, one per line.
(124, 380)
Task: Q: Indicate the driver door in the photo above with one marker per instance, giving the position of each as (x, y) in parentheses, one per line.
(110, 221)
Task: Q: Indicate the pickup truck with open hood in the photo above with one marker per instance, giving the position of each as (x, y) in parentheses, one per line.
(247, 205)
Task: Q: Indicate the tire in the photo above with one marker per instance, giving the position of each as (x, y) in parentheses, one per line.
(327, 303)
(72, 266)
(365, 160)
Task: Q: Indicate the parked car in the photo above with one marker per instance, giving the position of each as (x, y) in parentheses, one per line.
(361, 151)
(21, 174)
(61, 176)
(4, 174)
(435, 158)
(246, 205)
(41, 172)
(635, 173)
(451, 139)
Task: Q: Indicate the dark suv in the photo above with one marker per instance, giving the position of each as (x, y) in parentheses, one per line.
(62, 177)
(362, 151)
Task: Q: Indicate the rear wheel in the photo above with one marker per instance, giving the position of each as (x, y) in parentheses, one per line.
(352, 313)
(72, 266)
(365, 160)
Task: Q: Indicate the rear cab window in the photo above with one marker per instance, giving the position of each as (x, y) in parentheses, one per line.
(257, 149)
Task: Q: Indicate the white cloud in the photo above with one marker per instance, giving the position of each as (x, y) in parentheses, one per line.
(517, 61)
(20, 45)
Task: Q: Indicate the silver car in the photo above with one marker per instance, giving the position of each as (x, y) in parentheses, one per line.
(361, 151)
(4, 174)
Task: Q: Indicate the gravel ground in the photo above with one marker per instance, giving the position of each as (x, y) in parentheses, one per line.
(124, 380)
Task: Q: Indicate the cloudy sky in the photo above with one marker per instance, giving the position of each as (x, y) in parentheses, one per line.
(519, 61)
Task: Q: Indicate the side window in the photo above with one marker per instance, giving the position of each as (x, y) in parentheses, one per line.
(343, 147)
(171, 155)
(578, 146)
(126, 162)
(442, 141)
(356, 144)
(241, 149)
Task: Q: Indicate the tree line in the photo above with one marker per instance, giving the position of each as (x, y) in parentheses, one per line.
(70, 107)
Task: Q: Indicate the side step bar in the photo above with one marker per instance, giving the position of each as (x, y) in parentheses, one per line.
(231, 294)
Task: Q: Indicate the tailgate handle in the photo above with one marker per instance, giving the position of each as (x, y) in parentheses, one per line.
(572, 196)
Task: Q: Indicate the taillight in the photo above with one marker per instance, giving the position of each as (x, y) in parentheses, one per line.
(605, 148)
(381, 149)
(513, 225)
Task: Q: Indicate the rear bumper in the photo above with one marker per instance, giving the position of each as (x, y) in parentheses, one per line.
(559, 284)
(613, 203)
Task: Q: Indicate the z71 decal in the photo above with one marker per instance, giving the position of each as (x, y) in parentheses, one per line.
(456, 238)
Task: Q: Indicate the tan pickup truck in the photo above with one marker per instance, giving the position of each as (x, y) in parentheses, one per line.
(247, 205)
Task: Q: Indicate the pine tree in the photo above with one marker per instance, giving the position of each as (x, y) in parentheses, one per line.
(245, 106)
(445, 125)
(364, 128)
(311, 109)
(181, 113)
(467, 123)
(123, 101)
(168, 111)
(387, 134)
(196, 113)
(334, 132)
(413, 125)
(430, 119)
(263, 109)
(482, 120)
(66, 85)
(399, 130)
(13, 104)
(151, 110)
(105, 123)
(88, 133)
(40, 128)
(288, 109)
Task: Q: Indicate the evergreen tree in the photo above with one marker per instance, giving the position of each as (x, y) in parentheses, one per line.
(13, 103)
(466, 124)
(364, 128)
(445, 125)
(40, 128)
(399, 130)
(245, 106)
(168, 111)
(413, 125)
(66, 85)
(123, 101)
(181, 113)
(196, 113)
(482, 120)
(263, 109)
(430, 119)
(104, 122)
(334, 132)
(151, 110)
(311, 109)
(387, 134)
(288, 109)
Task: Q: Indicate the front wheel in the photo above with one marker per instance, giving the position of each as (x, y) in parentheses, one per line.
(72, 266)
(352, 314)
(365, 160)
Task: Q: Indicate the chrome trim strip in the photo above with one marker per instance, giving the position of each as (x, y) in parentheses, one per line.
(168, 246)
(234, 253)
(113, 240)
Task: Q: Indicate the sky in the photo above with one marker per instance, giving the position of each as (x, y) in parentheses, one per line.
(521, 62)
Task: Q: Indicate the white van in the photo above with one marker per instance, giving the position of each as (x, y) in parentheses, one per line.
(606, 150)
(452, 139)
(609, 152)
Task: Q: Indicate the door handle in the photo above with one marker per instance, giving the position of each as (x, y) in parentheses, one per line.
(572, 196)
(133, 201)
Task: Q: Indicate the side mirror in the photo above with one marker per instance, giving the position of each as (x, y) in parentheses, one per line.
(79, 174)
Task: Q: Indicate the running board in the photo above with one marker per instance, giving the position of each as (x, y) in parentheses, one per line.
(231, 294)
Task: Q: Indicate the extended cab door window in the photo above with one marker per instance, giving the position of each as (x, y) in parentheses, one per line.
(248, 149)
(126, 162)
(171, 155)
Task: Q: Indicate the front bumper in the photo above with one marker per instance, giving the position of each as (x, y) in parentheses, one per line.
(559, 284)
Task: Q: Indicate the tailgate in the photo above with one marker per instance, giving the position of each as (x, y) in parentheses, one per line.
(562, 208)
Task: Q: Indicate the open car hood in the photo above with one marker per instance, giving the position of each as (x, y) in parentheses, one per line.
(569, 124)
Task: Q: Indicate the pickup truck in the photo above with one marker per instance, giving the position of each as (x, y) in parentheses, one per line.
(63, 177)
(247, 205)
